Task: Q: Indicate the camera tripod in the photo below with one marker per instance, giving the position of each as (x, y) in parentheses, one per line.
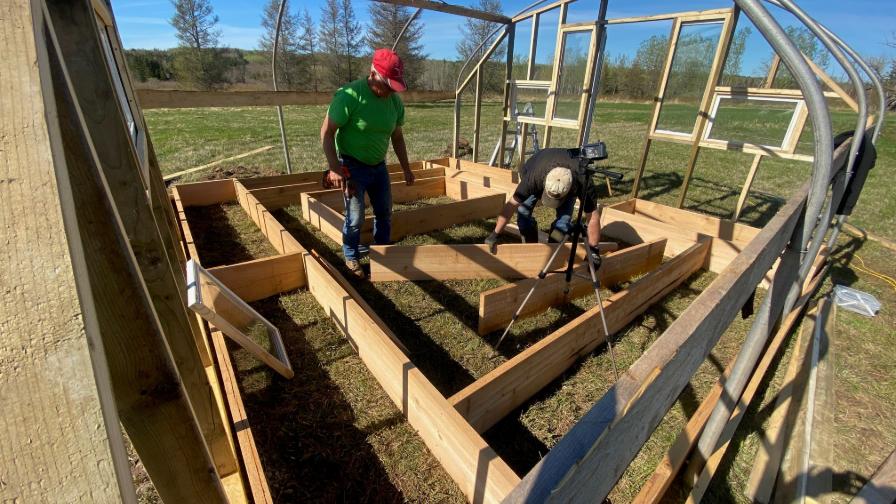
(573, 236)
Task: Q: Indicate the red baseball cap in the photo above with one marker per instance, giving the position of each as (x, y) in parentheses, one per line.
(389, 66)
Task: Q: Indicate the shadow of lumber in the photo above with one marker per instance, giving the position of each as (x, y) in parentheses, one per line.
(216, 240)
(305, 430)
(446, 374)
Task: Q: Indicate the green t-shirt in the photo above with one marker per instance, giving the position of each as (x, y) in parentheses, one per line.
(365, 121)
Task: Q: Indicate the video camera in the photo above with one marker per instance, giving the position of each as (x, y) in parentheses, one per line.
(587, 155)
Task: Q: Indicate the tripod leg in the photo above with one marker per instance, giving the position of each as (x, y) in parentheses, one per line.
(600, 307)
(544, 272)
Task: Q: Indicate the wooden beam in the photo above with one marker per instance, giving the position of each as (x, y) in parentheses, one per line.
(309, 176)
(406, 222)
(642, 396)
(881, 488)
(502, 174)
(110, 148)
(472, 180)
(714, 13)
(211, 192)
(261, 278)
(458, 262)
(258, 482)
(401, 193)
(737, 414)
(281, 239)
(493, 396)
(745, 190)
(275, 197)
(259, 150)
(479, 472)
(156, 373)
(497, 306)
(459, 189)
(451, 9)
(655, 488)
(708, 225)
(61, 436)
(175, 99)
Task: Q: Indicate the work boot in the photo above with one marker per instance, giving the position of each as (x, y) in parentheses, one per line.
(355, 267)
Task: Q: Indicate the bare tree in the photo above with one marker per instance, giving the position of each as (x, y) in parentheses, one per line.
(386, 22)
(290, 71)
(309, 47)
(477, 31)
(194, 22)
(352, 38)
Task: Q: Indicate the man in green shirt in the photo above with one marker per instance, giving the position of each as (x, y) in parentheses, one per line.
(363, 117)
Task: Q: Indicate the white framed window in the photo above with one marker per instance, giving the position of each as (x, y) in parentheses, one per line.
(220, 307)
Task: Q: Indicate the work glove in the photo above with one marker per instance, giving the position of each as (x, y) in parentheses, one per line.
(595, 256)
(492, 242)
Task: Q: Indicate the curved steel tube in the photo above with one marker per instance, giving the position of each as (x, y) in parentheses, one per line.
(489, 37)
(405, 28)
(796, 253)
(274, 72)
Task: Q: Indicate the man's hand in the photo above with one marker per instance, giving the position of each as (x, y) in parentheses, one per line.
(335, 179)
(595, 256)
(492, 242)
(408, 177)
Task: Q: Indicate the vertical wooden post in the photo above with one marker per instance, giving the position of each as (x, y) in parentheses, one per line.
(742, 199)
(533, 46)
(658, 103)
(61, 438)
(477, 114)
(159, 269)
(718, 64)
(772, 71)
(508, 76)
(552, 94)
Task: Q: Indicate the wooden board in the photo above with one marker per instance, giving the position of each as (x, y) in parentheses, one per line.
(459, 189)
(405, 222)
(251, 462)
(261, 278)
(586, 462)
(458, 262)
(206, 166)
(634, 228)
(478, 180)
(493, 396)
(310, 176)
(737, 414)
(279, 237)
(881, 488)
(172, 99)
(61, 437)
(656, 486)
(475, 467)
(497, 306)
(451, 9)
(401, 193)
(694, 221)
(275, 197)
(211, 192)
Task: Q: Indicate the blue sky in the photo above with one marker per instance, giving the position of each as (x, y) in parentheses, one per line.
(865, 24)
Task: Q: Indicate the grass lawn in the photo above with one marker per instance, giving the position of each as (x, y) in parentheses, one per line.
(333, 418)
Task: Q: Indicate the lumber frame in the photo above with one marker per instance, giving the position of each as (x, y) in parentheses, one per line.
(497, 306)
(281, 196)
(401, 193)
(451, 9)
(261, 278)
(310, 176)
(405, 222)
(176, 99)
(162, 393)
(493, 396)
(460, 262)
(53, 410)
(656, 486)
(639, 400)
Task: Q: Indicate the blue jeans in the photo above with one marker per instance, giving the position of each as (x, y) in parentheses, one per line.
(526, 221)
(374, 181)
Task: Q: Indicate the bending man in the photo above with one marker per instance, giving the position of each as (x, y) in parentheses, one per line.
(549, 177)
(363, 116)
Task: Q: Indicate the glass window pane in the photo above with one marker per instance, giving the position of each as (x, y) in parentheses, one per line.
(119, 86)
(573, 64)
(546, 45)
(521, 43)
(694, 53)
(531, 101)
(756, 120)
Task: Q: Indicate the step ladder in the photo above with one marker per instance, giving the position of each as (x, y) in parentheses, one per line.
(516, 135)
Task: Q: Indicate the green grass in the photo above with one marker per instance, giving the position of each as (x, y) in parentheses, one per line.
(333, 418)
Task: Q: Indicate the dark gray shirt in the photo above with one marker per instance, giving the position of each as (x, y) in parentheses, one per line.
(535, 170)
